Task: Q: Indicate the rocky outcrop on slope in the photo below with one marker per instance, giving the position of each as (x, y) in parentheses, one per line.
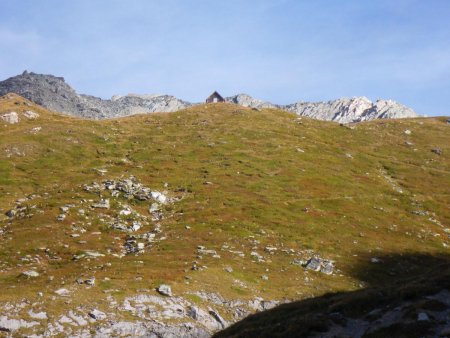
(55, 94)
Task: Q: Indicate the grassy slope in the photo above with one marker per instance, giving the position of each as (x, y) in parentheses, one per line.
(260, 181)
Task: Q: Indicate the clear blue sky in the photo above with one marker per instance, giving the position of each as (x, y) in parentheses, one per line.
(279, 50)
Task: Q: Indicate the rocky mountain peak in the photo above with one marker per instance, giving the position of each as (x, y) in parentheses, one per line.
(54, 93)
(347, 110)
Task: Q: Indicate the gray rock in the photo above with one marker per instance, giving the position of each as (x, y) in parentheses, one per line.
(102, 204)
(93, 254)
(11, 325)
(423, 317)
(193, 312)
(31, 115)
(437, 151)
(30, 273)
(97, 315)
(90, 281)
(37, 315)
(63, 292)
(10, 118)
(165, 290)
(61, 217)
(327, 267)
(346, 110)
(248, 101)
(64, 209)
(314, 264)
(151, 330)
(55, 94)
(319, 264)
(159, 197)
(11, 213)
(218, 318)
(135, 226)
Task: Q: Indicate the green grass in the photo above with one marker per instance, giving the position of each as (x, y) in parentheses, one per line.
(259, 182)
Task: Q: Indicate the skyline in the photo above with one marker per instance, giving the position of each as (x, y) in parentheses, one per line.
(279, 51)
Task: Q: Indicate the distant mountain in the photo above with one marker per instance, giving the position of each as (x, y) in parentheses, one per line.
(248, 101)
(54, 93)
(355, 109)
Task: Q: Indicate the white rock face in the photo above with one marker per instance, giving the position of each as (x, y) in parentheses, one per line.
(37, 315)
(10, 118)
(356, 109)
(388, 109)
(7, 324)
(342, 110)
(248, 101)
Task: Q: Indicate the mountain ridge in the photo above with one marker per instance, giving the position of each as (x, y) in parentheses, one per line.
(54, 93)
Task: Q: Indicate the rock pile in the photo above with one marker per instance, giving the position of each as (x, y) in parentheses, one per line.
(316, 264)
(127, 220)
(130, 188)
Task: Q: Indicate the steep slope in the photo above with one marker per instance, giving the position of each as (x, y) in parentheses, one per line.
(235, 210)
(53, 93)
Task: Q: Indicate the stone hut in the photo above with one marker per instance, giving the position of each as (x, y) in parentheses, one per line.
(214, 98)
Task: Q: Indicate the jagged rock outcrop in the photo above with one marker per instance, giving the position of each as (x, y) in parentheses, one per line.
(356, 109)
(342, 110)
(248, 101)
(54, 93)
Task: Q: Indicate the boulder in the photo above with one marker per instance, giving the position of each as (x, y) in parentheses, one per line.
(314, 264)
(102, 204)
(437, 151)
(30, 273)
(31, 115)
(63, 292)
(10, 118)
(97, 315)
(165, 290)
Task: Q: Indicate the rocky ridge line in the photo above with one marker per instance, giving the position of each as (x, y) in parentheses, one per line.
(55, 94)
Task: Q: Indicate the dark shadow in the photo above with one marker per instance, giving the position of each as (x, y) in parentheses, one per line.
(394, 281)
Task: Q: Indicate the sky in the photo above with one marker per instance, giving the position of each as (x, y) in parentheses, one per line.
(281, 51)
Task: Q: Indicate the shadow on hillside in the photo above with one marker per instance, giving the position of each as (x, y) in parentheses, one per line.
(391, 281)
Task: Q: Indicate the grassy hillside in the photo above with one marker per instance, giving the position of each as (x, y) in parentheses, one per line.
(246, 180)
